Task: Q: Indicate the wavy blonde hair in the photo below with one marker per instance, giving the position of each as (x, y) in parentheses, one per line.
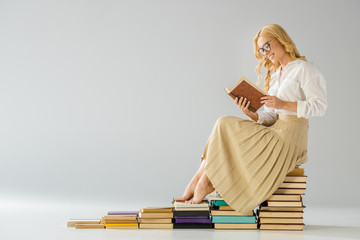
(277, 32)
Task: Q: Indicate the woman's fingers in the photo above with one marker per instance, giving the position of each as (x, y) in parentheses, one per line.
(247, 105)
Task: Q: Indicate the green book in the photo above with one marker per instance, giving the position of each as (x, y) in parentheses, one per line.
(233, 219)
(218, 203)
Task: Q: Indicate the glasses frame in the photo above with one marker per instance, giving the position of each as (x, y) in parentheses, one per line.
(263, 50)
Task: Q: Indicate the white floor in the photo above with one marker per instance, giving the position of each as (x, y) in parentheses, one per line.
(47, 220)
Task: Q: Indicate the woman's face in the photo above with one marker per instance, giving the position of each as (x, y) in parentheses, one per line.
(271, 49)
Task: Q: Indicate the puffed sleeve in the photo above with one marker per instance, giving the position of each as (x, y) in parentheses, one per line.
(267, 117)
(314, 88)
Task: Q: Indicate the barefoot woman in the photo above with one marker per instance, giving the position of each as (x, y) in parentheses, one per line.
(247, 160)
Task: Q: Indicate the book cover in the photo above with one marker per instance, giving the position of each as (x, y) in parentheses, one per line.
(191, 213)
(280, 214)
(157, 210)
(249, 226)
(218, 203)
(282, 220)
(193, 220)
(73, 222)
(245, 88)
(193, 225)
(297, 191)
(156, 215)
(229, 213)
(234, 219)
(296, 172)
(298, 227)
(282, 197)
(155, 220)
(155, 226)
(293, 185)
(122, 213)
(89, 226)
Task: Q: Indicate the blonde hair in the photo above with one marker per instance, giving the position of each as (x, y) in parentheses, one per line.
(277, 32)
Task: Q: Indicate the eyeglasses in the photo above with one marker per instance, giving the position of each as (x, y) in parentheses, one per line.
(265, 48)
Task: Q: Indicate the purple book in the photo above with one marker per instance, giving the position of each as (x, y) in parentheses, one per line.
(192, 220)
(122, 213)
(197, 217)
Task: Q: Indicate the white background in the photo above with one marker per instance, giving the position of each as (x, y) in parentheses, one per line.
(111, 102)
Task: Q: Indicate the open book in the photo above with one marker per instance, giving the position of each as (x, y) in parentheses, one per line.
(245, 88)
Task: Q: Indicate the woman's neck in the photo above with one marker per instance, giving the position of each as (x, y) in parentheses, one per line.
(285, 60)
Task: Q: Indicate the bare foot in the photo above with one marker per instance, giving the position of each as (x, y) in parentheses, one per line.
(189, 190)
(203, 188)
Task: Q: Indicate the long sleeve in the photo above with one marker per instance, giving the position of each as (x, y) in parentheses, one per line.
(314, 89)
(267, 117)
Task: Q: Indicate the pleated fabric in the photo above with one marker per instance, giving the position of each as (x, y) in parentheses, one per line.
(246, 161)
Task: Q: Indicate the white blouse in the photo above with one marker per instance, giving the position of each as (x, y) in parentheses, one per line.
(300, 82)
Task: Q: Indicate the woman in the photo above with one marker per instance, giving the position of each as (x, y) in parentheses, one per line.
(247, 160)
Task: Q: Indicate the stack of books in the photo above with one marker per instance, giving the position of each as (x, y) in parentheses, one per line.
(192, 215)
(121, 219)
(85, 223)
(224, 217)
(156, 218)
(284, 209)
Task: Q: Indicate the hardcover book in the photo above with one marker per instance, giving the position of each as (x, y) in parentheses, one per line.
(247, 89)
(249, 226)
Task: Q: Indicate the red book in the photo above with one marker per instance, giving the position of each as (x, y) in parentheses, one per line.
(245, 88)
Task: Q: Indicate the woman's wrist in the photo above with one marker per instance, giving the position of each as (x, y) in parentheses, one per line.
(254, 116)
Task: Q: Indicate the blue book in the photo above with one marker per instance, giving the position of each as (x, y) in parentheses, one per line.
(234, 219)
(219, 203)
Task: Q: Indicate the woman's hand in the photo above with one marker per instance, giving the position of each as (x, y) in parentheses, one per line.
(273, 102)
(244, 104)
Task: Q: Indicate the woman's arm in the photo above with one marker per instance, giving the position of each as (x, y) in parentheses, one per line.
(274, 102)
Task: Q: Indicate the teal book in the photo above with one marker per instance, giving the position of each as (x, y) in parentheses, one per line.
(218, 203)
(234, 219)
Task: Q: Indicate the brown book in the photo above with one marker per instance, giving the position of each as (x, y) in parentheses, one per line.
(226, 208)
(283, 209)
(249, 226)
(73, 222)
(247, 89)
(293, 185)
(281, 220)
(282, 197)
(120, 221)
(295, 179)
(89, 226)
(296, 172)
(298, 227)
(155, 220)
(280, 214)
(292, 191)
(156, 215)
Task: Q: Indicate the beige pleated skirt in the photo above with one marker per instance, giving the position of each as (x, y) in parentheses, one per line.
(246, 161)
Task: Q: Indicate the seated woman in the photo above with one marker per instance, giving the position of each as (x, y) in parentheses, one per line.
(247, 160)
